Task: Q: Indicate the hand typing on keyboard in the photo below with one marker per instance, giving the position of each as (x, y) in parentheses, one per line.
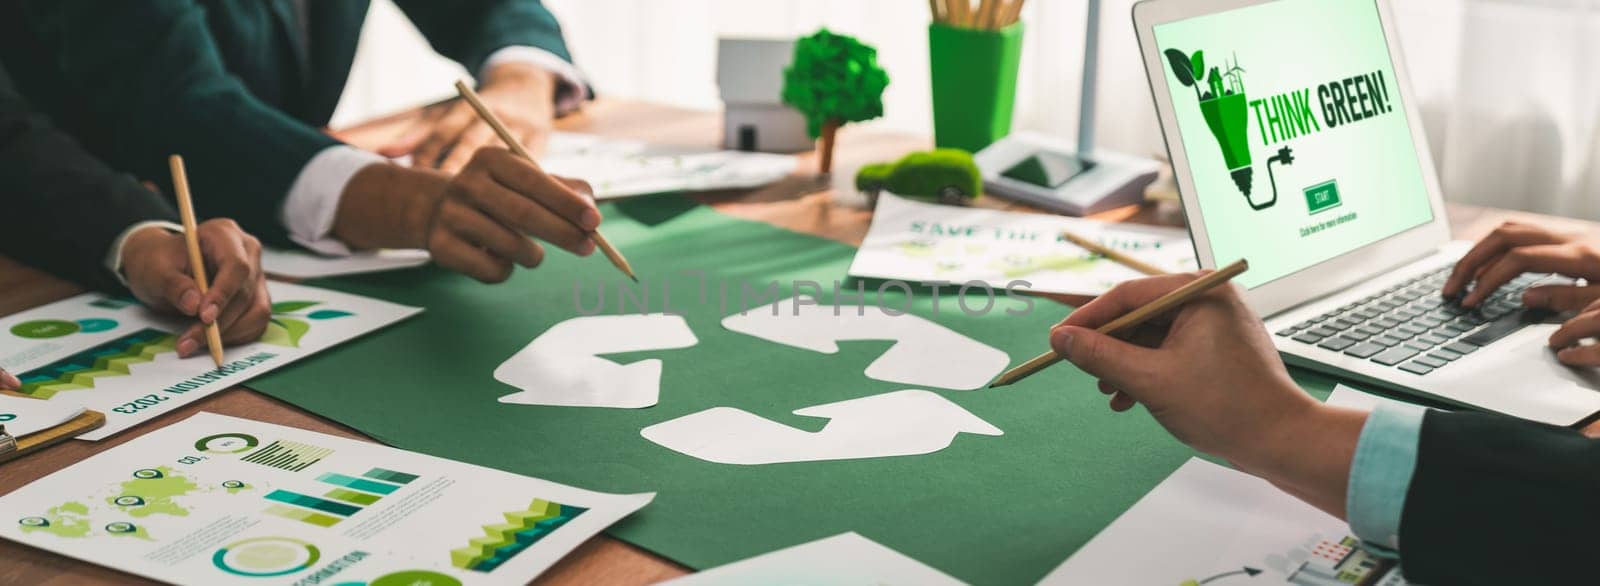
(1515, 248)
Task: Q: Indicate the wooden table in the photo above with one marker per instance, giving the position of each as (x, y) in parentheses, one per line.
(602, 560)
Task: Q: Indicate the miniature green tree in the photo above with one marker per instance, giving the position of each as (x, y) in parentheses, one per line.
(832, 80)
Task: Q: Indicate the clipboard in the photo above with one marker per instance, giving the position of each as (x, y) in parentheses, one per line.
(12, 448)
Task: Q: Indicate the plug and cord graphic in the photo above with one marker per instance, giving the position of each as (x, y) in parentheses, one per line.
(1227, 114)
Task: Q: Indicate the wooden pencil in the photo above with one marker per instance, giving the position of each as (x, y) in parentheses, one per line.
(933, 8)
(191, 237)
(1132, 319)
(1119, 257)
(1013, 13)
(516, 147)
(959, 11)
(985, 17)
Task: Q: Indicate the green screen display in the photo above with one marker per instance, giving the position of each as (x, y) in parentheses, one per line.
(1298, 144)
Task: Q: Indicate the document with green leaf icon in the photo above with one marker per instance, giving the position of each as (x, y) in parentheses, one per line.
(114, 356)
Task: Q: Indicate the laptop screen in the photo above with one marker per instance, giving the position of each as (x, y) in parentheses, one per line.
(1290, 116)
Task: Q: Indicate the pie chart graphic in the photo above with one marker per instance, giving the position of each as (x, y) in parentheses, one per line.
(264, 557)
(226, 443)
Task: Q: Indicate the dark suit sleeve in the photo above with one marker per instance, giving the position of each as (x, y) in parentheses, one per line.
(469, 31)
(63, 208)
(151, 70)
(1497, 500)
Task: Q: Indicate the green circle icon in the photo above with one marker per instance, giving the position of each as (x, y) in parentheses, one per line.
(121, 527)
(147, 474)
(34, 522)
(232, 484)
(4, 417)
(415, 578)
(264, 557)
(44, 328)
(226, 443)
(129, 501)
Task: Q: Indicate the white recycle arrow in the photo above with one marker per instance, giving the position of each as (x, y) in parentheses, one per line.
(898, 423)
(562, 366)
(925, 353)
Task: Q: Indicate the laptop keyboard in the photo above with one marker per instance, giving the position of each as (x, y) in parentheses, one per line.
(1410, 327)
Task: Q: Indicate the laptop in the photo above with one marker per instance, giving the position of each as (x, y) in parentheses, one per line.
(1296, 145)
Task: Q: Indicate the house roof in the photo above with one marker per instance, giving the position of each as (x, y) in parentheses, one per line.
(750, 71)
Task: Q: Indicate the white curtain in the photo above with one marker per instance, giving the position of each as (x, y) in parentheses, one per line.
(1509, 88)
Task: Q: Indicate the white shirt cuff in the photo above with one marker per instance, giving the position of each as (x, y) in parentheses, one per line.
(571, 89)
(313, 201)
(114, 256)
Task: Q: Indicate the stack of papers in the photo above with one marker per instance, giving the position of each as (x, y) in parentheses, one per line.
(301, 264)
(1210, 524)
(220, 500)
(23, 417)
(925, 242)
(619, 168)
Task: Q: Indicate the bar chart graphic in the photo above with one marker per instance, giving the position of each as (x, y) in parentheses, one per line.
(502, 541)
(349, 495)
(286, 455)
(111, 359)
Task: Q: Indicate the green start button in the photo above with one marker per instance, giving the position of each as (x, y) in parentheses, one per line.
(1322, 196)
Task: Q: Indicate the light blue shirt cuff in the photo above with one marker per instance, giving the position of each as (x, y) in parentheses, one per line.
(1380, 473)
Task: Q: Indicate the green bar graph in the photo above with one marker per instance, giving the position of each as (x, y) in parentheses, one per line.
(311, 502)
(352, 497)
(358, 483)
(303, 516)
(390, 476)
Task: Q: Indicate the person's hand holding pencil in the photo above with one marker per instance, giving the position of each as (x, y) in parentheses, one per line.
(155, 263)
(1207, 371)
(1209, 374)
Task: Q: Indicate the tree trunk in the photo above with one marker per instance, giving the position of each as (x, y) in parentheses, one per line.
(829, 129)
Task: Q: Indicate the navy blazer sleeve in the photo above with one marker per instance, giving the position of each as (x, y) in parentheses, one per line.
(151, 71)
(63, 208)
(1497, 500)
(469, 31)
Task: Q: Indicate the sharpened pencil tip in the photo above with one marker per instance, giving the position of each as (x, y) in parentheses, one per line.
(635, 278)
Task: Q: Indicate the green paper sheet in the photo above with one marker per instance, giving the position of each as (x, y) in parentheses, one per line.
(988, 510)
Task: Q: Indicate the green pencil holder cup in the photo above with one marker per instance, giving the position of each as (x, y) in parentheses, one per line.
(974, 74)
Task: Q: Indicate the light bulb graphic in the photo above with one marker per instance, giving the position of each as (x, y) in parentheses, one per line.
(1226, 110)
(1228, 117)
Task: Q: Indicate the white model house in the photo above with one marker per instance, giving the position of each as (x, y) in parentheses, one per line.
(750, 75)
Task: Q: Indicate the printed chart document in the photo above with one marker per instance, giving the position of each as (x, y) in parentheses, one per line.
(1207, 524)
(925, 242)
(219, 500)
(301, 264)
(618, 168)
(846, 559)
(114, 356)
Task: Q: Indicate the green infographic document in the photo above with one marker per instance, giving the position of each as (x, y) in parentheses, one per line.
(220, 500)
(1298, 143)
(114, 356)
(990, 486)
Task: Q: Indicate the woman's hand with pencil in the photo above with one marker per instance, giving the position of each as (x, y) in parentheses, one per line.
(156, 265)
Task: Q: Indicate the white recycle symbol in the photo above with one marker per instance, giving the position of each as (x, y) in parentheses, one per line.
(563, 367)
